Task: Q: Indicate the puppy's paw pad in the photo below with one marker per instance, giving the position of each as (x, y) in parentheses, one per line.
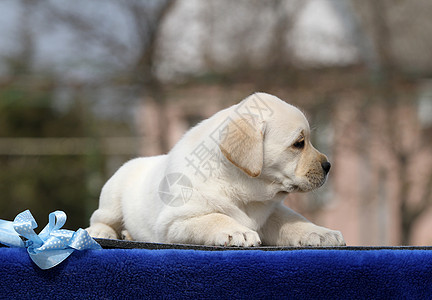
(313, 239)
(337, 238)
(323, 237)
(102, 231)
(241, 238)
(125, 235)
(252, 239)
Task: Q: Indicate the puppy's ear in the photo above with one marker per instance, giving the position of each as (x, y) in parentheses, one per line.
(243, 145)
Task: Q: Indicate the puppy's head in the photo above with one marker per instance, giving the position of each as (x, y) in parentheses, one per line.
(270, 139)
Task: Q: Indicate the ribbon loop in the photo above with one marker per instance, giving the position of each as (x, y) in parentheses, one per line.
(56, 220)
(24, 224)
(52, 245)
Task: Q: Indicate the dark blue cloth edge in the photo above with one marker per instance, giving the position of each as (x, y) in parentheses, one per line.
(122, 244)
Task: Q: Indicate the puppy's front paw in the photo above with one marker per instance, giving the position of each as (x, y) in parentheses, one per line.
(321, 236)
(102, 231)
(239, 238)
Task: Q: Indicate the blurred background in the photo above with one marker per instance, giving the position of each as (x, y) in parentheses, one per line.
(87, 85)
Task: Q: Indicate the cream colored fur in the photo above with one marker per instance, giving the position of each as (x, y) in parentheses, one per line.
(254, 158)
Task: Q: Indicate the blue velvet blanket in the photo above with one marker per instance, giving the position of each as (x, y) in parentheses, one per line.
(348, 273)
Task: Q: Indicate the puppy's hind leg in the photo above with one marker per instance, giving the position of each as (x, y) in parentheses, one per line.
(106, 222)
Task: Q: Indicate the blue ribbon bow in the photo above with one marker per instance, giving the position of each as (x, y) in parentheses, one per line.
(52, 246)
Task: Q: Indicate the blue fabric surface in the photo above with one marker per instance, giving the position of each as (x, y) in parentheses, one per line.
(140, 273)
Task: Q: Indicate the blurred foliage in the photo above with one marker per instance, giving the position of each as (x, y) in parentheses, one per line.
(46, 183)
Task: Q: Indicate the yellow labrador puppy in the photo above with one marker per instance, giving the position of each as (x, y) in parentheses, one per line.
(223, 183)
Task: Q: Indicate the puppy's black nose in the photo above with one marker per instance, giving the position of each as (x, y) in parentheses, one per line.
(326, 166)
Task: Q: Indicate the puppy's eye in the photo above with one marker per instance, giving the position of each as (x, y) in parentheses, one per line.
(299, 144)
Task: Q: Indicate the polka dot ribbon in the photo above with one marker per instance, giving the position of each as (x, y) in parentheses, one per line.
(52, 245)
